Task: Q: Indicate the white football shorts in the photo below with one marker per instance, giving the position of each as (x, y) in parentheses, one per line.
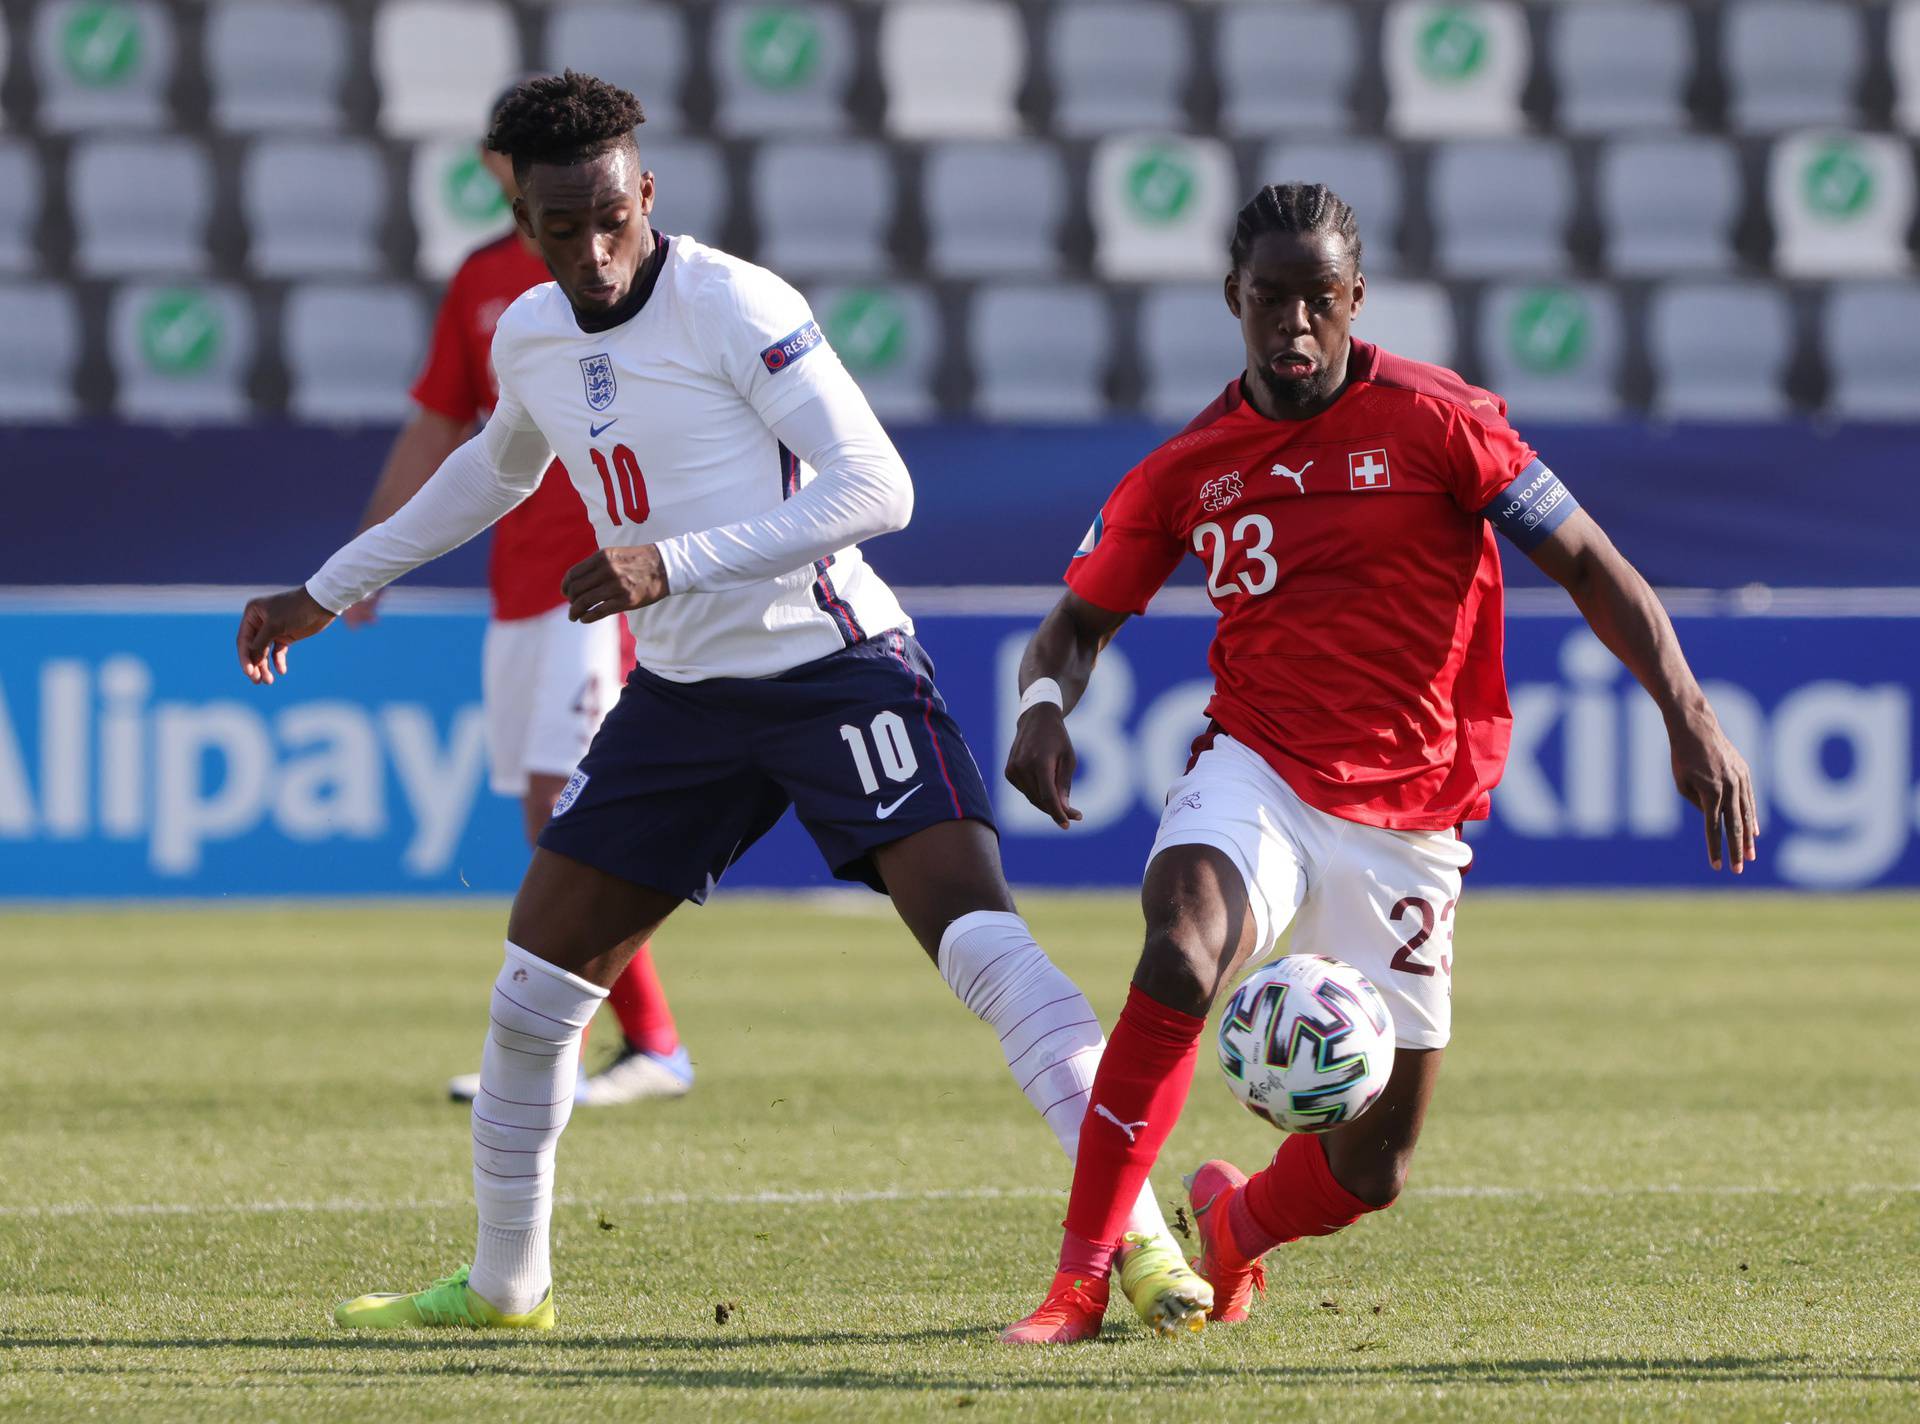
(1381, 900)
(546, 683)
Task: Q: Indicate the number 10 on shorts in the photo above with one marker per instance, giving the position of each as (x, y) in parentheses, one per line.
(890, 741)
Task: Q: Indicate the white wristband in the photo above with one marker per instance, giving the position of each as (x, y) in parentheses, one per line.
(1041, 689)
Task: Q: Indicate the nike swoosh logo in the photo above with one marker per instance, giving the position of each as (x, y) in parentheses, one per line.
(881, 813)
(594, 432)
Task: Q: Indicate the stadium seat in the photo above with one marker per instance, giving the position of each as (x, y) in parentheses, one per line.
(1792, 63)
(1411, 319)
(782, 69)
(952, 68)
(1286, 68)
(456, 204)
(1621, 66)
(640, 47)
(102, 65)
(352, 352)
(1719, 350)
(1367, 175)
(1040, 352)
(994, 207)
(181, 353)
(140, 205)
(6, 54)
(1500, 207)
(1117, 65)
(823, 207)
(1553, 351)
(1190, 348)
(441, 64)
(690, 186)
(1903, 46)
(1871, 332)
(276, 64)
(1668, 204)
(39, 352)
(313, 207)
(1162, 207)
(1455, 68)
(22, 194)
(1841, 204)
(889, 337)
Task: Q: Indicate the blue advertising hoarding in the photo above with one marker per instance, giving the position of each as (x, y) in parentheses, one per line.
(136, 761)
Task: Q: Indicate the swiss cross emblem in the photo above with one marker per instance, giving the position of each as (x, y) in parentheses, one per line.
(1367, 470)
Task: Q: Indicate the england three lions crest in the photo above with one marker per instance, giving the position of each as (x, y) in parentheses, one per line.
(597, 372)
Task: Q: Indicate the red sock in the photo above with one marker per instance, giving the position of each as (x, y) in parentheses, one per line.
(1137, 1095)
(1295, 1196)
(641, 1006)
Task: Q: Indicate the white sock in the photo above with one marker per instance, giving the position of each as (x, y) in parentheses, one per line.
(1048, 1031)
(526, 1096)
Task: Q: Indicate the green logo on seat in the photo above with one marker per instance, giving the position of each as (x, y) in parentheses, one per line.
(868, 327)
(1548, 330)
(1452, 45)
(179, 332)
(1837, 182)
(101, 44)
(1160, 184)
(472, 195)
(780, 49)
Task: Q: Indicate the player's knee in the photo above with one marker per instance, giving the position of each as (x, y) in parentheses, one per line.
(1377, 1181)
(1178, 969)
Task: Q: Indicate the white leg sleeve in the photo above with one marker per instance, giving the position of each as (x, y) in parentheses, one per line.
(525, 1098)
(1048, 1031)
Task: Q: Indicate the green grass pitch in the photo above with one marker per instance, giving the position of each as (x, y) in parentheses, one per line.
(1673, 1172)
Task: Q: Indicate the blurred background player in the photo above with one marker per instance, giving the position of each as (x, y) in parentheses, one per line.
(547, 681)
(1345, 500)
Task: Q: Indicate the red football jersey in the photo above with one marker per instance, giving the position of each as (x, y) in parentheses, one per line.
(534, 546)
(1352, 561)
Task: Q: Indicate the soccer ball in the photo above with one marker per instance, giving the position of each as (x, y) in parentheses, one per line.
(1306, 1043)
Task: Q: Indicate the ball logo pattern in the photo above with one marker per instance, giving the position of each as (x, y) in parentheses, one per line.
(1306, 1043)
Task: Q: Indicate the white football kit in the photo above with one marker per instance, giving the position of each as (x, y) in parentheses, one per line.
(716, 423)
(546, 683)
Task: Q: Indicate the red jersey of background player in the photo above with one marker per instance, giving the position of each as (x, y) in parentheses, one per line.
(535, 545)
(1352, 561)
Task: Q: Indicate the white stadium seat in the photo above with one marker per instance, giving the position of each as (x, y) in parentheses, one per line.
(441, 64)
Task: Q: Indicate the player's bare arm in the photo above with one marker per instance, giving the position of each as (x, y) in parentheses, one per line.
(611, 581)
(1063, 649)
(269, 624)
(1626, 615)
(423, 443)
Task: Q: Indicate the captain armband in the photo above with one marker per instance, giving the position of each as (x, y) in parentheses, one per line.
(1532, 507)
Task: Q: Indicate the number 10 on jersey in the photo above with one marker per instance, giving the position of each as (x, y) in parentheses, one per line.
(625, 476)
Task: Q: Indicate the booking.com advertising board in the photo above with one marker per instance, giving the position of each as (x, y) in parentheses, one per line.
(136, 761)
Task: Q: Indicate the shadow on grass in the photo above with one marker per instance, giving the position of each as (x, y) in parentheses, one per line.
(418, 1362)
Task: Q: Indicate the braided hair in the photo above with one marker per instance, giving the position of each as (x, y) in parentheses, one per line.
(562, 118)
(1295, 208)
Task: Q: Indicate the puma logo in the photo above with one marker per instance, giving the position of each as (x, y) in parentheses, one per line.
(1130, 1128)
(1477, 402)
(1297, 476)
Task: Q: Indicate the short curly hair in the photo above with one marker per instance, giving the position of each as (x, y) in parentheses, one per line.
(562, 118)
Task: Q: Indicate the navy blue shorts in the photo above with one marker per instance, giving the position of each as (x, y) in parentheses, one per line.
(683, 776)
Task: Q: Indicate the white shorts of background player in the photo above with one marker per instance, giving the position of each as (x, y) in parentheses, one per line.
(546, 682)
(1381, 900)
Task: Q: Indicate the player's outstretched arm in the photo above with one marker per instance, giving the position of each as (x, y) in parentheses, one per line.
(1054, 672)
(1626, 615)
(420, 448)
